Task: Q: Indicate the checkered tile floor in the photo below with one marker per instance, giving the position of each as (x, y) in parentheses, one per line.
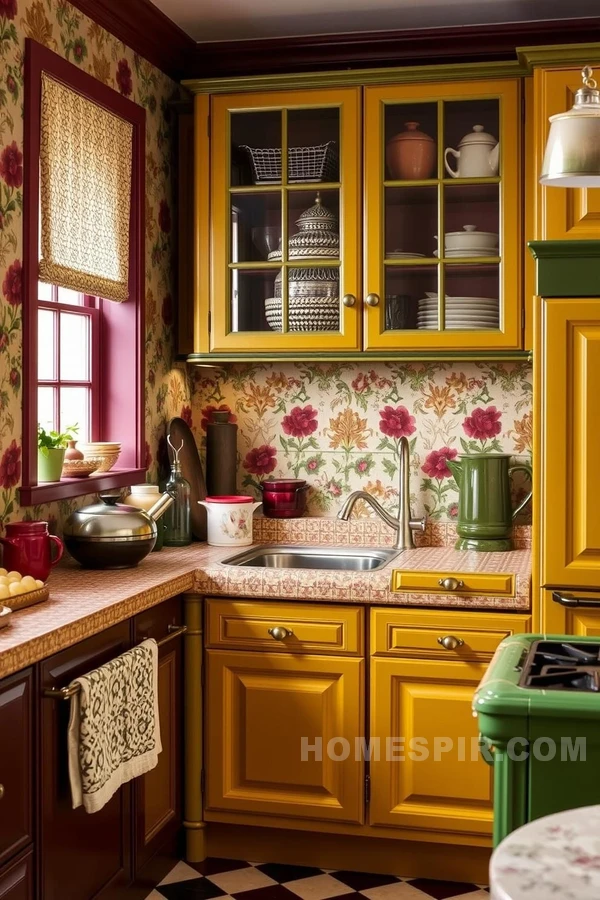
(230, 878)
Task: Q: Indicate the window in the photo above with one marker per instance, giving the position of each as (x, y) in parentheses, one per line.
(68, 378)
(83, 357)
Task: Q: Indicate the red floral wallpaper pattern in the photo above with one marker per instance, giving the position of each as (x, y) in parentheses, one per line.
(339, 425)
(65, 30)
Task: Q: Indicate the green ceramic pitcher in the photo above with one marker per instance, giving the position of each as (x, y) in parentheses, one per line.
(485, 513)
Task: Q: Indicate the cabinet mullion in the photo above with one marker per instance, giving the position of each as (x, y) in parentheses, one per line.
(441, 114)
(284, 222)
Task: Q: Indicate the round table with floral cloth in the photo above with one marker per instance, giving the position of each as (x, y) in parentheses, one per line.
(553, 858)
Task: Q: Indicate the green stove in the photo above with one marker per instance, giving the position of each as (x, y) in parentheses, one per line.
(538, 707)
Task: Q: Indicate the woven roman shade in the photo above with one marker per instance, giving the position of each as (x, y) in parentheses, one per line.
(85, 194)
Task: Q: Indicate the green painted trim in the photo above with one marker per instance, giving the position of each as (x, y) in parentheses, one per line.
(564, 249)
(567, 268)
(357, 77)
(214, 359)
(557, 55)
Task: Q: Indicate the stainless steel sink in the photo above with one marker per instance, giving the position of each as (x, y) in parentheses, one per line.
(349, 559)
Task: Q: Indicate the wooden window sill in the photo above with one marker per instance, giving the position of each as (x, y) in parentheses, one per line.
(49, 491)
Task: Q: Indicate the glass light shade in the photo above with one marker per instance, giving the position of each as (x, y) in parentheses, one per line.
(572, 157)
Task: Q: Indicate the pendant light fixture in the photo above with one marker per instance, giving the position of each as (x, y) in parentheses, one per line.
(572, 157)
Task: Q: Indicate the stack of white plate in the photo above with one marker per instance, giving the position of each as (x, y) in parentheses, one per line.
(456, 254)
(462, 313)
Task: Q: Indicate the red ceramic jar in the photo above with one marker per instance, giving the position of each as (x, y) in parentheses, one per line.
(284, 498)
(27, 549)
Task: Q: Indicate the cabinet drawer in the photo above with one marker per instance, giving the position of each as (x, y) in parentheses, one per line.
(311, 628)
(400, 632)
(456, 582)
(16, 773)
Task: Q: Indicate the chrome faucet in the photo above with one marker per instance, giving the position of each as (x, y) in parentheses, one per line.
(404, 525)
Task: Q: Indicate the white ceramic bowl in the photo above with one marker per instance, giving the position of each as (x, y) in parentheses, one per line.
(471, 239)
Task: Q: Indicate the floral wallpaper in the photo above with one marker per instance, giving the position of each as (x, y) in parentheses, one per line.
(339, 426)
(65, 30)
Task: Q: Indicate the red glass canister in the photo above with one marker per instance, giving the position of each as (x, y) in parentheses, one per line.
(284, 498)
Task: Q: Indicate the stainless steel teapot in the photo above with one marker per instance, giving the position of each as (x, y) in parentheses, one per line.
(112, 535)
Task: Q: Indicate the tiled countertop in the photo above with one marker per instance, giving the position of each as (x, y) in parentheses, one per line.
(83, 602)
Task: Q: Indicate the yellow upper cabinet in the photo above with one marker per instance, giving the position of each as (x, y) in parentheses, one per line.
(285, 200)
(324, 208)
(442, 160)
(565, 213)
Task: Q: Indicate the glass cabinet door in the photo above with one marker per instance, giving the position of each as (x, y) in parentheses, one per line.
(285, 221)
(442, 222)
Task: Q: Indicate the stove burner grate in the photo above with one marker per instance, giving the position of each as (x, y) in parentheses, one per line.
(562, 666)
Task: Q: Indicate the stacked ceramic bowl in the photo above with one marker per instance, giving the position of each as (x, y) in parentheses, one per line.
(462, 313)
(107, 451)
(470, 242)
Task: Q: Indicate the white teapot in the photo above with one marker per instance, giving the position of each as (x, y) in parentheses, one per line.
(477, 155)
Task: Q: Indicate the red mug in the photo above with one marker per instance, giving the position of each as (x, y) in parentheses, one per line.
(27, 549)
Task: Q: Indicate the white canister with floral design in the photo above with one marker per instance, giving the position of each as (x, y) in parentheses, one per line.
(229, 520)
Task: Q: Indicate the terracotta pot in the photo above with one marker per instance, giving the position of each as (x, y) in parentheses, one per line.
(72, 452)
(410, 155)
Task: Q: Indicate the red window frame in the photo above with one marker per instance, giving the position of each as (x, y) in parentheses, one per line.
(91, 308)
(120, 351)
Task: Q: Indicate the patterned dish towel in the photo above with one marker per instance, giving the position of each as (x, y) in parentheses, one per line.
(114, 732)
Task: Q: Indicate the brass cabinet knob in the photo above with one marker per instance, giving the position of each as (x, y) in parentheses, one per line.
(449, 642)
(1, 791)
(349, 300)
(372, 300)
(451, 584)
(280, 633)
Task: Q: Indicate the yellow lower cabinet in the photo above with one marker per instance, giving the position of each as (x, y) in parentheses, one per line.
(262, 708)
(429, 774)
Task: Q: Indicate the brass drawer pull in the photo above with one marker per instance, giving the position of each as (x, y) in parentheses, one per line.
(449, 642)
(372, 300)
(280, 633)
(1, 791)
(349, 300)
(451, 584)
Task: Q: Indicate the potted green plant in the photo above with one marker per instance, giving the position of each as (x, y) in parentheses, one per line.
(51, 452)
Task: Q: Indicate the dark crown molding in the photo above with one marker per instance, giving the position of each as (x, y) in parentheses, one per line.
(147, 30)
(471, 43)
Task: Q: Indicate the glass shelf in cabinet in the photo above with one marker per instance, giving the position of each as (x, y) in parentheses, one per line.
(306, 263)
(410, 263)
(426, 182)
(255, 265)
(491, 179)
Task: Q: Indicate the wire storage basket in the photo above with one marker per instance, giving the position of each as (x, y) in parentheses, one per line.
(305, 164)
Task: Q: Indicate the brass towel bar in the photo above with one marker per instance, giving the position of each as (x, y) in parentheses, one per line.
(66, 692)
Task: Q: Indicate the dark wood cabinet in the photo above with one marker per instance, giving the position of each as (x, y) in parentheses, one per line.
(16, 764)
(158, 794)
(16, 878)
(123, 850)
(81, 855)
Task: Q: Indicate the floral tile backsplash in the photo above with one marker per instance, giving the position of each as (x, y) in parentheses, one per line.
(66, 31)
(339, 425)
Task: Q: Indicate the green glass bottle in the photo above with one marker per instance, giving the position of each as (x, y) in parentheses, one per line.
(177, 531)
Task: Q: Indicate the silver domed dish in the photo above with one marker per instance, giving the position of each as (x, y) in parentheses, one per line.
(318, 236)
